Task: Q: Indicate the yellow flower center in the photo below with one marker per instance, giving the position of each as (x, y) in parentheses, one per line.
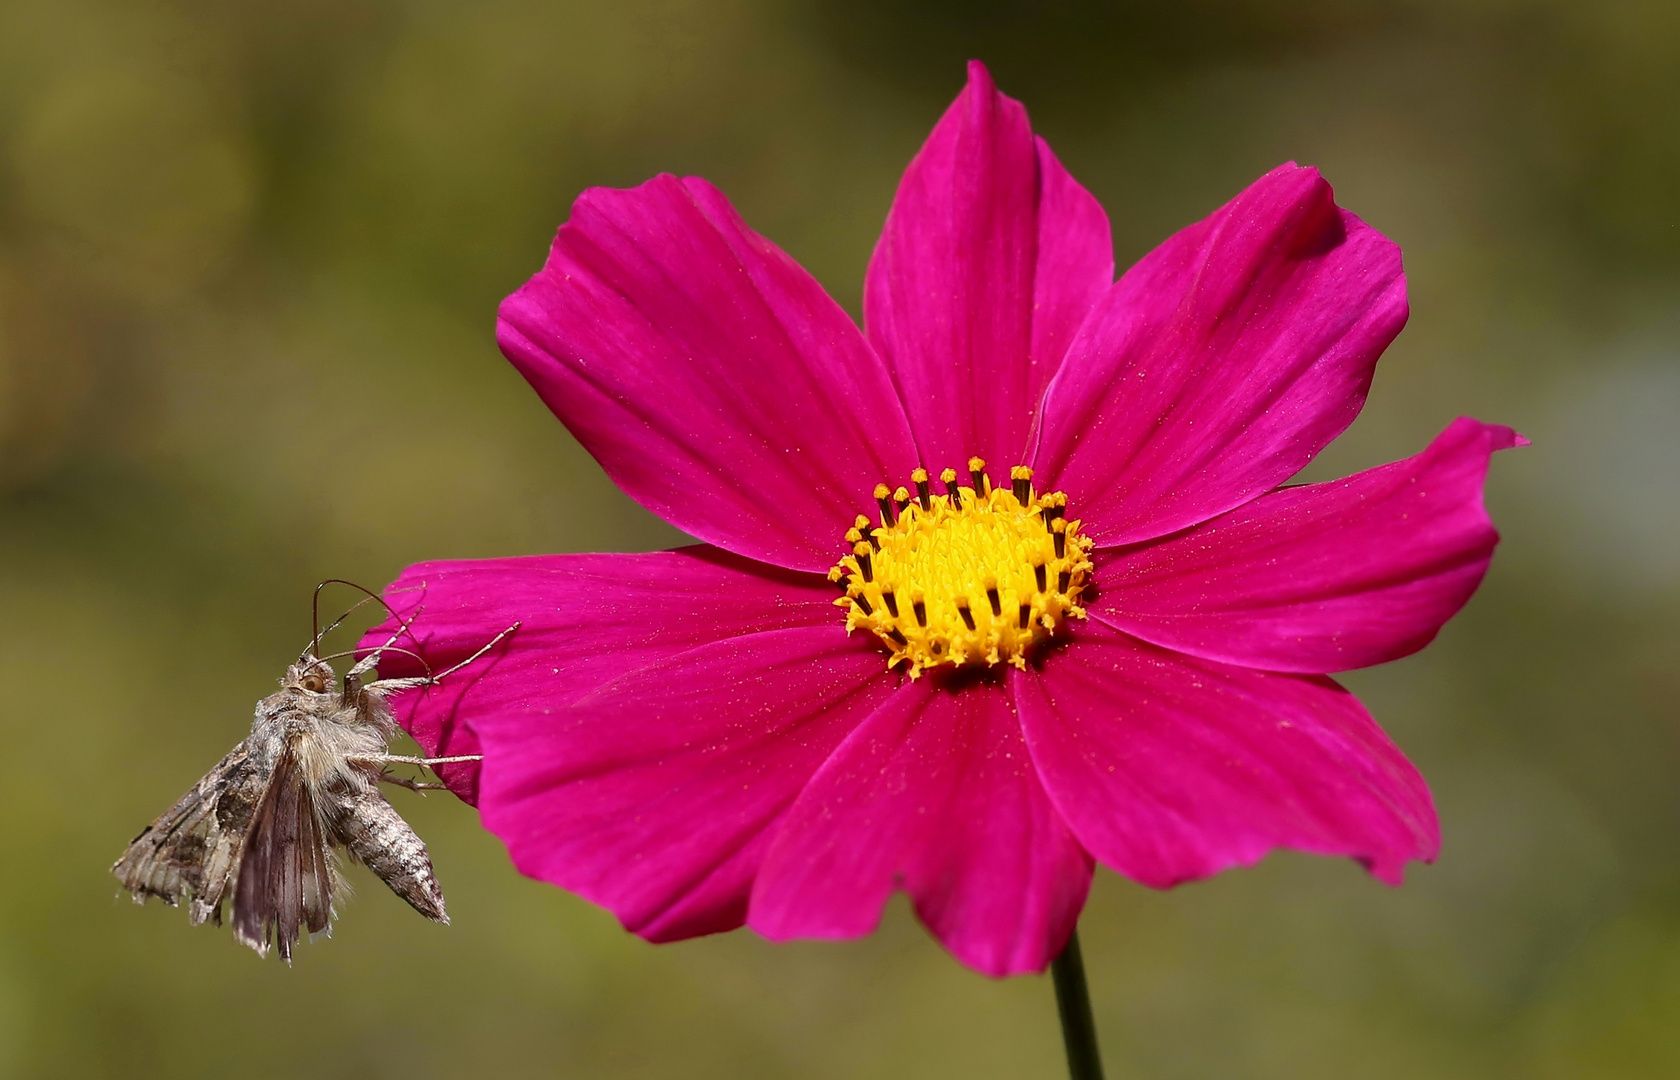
(977, 575)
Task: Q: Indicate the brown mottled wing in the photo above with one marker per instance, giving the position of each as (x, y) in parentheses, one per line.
(192, 850)
(286, 872)
(378, 837)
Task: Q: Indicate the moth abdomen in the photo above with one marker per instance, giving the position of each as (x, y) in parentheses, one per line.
(376, 835)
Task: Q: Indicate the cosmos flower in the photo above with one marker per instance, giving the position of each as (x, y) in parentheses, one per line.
(1004, 585)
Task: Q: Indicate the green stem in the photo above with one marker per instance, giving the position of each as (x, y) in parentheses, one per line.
(1073, 1001)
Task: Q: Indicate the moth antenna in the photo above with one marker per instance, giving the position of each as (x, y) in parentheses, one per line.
(314, 648)
(330, 627)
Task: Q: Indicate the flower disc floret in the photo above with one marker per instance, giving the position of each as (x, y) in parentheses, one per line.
(977, 575)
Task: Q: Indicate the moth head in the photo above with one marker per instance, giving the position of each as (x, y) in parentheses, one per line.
(311, 676)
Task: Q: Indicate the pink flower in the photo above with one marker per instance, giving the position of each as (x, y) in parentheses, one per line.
(693, 739)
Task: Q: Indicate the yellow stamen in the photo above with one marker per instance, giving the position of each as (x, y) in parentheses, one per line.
(975, 575)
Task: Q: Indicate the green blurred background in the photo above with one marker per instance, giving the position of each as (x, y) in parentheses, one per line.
(249, 261)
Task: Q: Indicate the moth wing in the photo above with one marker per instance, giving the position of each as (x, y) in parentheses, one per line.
(191, 850)
(285, 872)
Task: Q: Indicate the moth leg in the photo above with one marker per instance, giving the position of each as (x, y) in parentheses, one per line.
(412, 785)
(403, 759)
(391, 686)
(397, 686)
(488, 645)
(366, 663)
(386, 776)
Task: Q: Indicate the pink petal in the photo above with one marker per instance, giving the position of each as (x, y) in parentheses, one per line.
(1169, 768)
(1222, 363)
(584, 620)
(1323, 577)
(936, 794)
(655, 795)
(709, 374)
(990, 259)
(1075, 267)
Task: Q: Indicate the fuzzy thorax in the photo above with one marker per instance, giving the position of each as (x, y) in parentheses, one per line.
(329, 730)
(977, 575)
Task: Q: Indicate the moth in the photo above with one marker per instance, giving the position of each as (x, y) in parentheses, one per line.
(261, 830)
